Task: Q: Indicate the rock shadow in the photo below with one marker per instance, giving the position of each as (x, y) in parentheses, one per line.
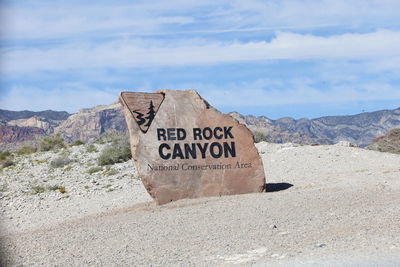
(275, 187)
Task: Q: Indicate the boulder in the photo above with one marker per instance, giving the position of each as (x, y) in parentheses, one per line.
(184, 148)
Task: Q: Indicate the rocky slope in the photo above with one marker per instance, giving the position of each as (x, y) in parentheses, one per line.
(88, 124)
(387, 143)
(273, 132)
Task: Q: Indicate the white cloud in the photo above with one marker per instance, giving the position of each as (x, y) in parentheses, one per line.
(70, 97)
(262, 93)
(138, 53)
(237, 95)
(45, 38)
(104, 19)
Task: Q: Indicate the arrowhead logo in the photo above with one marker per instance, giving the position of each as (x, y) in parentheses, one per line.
(143, 107)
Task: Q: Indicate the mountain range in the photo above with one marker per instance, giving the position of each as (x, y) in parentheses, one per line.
(358, 129)
(19, 128)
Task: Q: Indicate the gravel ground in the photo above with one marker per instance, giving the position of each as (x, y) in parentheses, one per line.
(332, 205)
(30, 191)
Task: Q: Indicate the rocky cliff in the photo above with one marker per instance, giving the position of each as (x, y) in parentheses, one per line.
(47, 125)
(88, 124)
(14, 137)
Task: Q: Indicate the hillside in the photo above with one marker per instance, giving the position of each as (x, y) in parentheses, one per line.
(387, 143)
(85, 125)
(358, 129)
(88, 124)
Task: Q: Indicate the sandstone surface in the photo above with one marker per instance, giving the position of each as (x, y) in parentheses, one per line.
(184, 148)
(38, 122)
(88, 124)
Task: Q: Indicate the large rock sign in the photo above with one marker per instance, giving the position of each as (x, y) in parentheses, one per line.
(184, 148)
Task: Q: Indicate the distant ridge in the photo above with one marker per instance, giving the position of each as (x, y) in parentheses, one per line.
(89, 123)
(359, 129)
(7, 115)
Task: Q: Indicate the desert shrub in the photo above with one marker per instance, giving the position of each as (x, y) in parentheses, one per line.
(6, 159)
(61, 189)
(94, 169)
(68, 168)
(91, 148)
(4, 188)
(260, 137)
(110, 171)
(117, 150)
(37, 189)
(113, 154)
(78, 143)
(60, 161)
(53, 187)
(52, 143)
(4, 155)
(7, 163)
(26, 150)
(113, 136)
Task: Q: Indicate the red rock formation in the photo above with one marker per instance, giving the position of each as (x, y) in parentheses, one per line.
(14, 134)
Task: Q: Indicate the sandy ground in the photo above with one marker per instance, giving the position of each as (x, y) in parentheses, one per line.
(331, 205)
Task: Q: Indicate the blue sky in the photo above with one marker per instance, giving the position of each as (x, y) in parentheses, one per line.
(272, 58)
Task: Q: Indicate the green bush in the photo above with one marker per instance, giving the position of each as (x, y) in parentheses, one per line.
(7, 163)
(94, 170)
(53, 142)
(4, 155)
(110, 171)
(91, 148)
(38, 189)
(26, 150)
(113, 136)
(260, 137)
(6, 159)
(61, 189)
(59, 162)
(78, 143)
(114, 153)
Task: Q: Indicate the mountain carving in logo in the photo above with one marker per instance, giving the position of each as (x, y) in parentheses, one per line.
(143, 107)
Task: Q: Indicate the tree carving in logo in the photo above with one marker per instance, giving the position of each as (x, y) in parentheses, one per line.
(143, 106)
